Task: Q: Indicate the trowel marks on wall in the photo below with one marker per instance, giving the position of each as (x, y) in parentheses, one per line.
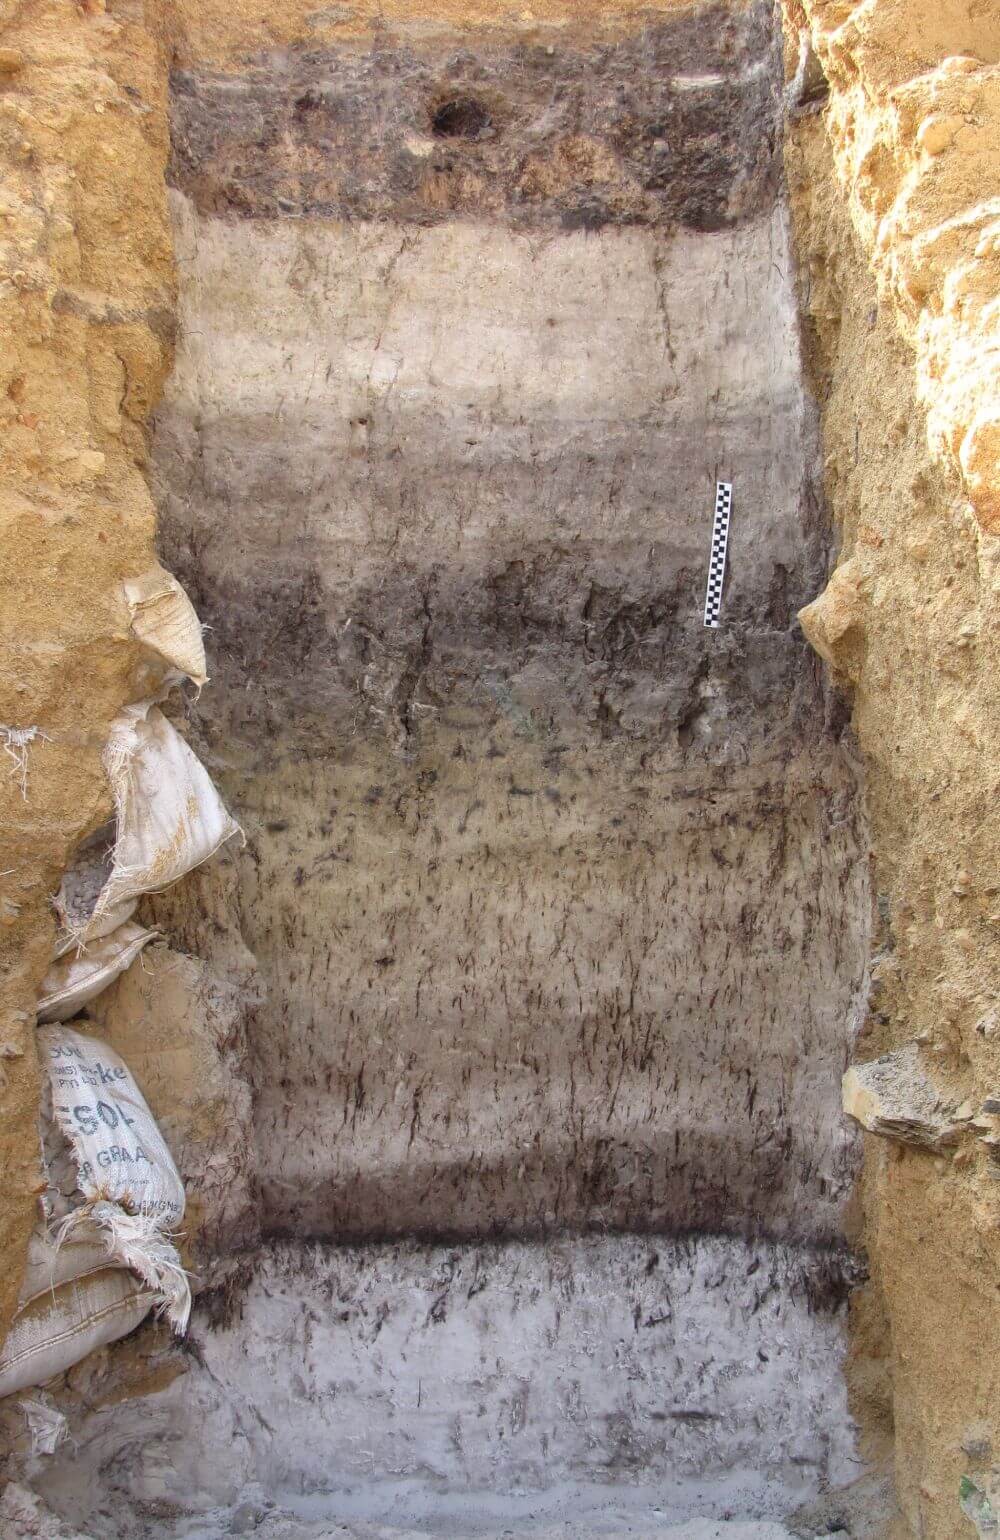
(557, 895)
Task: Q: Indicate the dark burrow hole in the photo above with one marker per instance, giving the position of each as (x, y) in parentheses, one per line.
(461, 117)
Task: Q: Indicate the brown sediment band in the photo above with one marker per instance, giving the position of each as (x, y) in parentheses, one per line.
(228, 32)
(676, 124)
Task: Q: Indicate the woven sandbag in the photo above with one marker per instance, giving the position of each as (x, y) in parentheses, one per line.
(120, 1187)
(82, 1286)
(50, 1265)
(44, 1341)
(81, 975)
(62, 1176)
(170, 818)
(164, 620)
(59, 1326)
(81, 888)
(119, 1151)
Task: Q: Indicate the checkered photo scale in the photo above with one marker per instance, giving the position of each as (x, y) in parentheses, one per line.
(717, 559)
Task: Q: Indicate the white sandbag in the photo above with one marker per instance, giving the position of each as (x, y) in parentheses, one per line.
(60, 1326)
(80, 889)
(81, 976)
(170, 819)
(137, 1242)
(119, 1151)
(50, 1265)
(38, 1346)
(62, 1177)
(132, 1195)
(164, 620)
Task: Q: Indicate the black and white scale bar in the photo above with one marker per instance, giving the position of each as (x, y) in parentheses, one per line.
(717, 559)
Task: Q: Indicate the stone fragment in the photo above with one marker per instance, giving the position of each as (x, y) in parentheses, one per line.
(989, 1025)
(991, 1144)
(892, 1096)
(836, 618)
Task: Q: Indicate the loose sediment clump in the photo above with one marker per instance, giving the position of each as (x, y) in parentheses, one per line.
(82, 884)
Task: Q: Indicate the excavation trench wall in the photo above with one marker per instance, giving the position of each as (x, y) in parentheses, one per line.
(513, 1035)
(523, 1010)
(894, 191)
(556, 901)
(557, 895)
(88, 309)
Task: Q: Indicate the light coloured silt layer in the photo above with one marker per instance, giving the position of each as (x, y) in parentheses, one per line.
(556, 894)
(619, 1383)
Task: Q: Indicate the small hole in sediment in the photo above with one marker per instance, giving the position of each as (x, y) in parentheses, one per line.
(461, 117)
